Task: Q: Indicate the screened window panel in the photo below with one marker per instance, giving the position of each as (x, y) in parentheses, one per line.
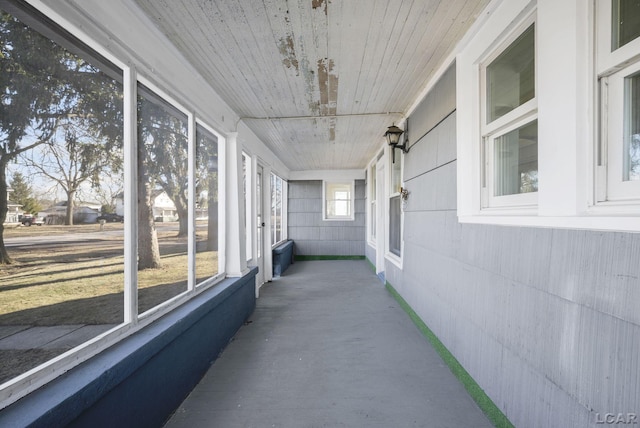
(65, 101)
(163, 200)
(207, 204)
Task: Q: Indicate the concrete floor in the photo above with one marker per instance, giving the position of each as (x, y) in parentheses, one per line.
(328, 346)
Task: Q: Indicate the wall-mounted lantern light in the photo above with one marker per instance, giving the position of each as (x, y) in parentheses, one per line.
(393, 139)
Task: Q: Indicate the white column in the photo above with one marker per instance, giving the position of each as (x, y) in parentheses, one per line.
(235, 252)
(565, 97)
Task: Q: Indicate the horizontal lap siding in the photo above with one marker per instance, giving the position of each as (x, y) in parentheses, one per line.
(545, 320)
(315, 237)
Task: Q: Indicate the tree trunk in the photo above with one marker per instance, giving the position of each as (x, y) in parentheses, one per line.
(4, 202)
(71, 194)
(148, 248)
(212, 211)
(183, 217)
(212, 226)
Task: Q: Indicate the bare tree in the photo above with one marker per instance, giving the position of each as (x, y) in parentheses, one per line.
(79, 158)
(43, 84)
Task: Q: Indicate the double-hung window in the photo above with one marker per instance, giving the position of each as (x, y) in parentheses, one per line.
(509, 124)
(338, 200)
(395, 209)
(618, 66)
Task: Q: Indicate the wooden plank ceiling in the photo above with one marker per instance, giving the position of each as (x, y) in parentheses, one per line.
(319, 81)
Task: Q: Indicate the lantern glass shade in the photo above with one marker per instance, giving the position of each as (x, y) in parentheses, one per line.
(393, 135)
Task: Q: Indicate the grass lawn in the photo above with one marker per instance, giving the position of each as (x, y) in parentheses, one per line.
(56, 283)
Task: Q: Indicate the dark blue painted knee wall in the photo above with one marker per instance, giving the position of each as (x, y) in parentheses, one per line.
(282, 257)
(140, 381)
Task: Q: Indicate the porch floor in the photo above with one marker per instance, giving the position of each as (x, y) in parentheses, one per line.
(328, 346)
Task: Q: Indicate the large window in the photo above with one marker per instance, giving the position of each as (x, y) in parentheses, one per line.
(162, 199)
(619, 69)
(509, 128)
(338, 200)
(88, 268)
(61, 137)
(248, 204)
(207, 203)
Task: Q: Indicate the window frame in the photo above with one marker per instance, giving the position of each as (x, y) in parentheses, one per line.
(274, 177)
(612, 193)
(71, 38)
(394, 193)
(372, 203)
(566, 85)
(326, 184)
(518, 117)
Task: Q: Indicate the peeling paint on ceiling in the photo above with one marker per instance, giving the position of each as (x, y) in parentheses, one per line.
(311, 77)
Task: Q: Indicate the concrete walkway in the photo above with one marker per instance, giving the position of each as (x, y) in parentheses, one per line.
(328, 347)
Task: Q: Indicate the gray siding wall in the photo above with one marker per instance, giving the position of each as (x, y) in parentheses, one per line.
(315, 237)
(545, 320)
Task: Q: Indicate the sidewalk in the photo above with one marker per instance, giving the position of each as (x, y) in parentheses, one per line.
(328, 347)
(23, 347)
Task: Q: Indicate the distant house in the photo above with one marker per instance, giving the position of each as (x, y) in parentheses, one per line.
(163, 207)
(14, 210)
(83, 212)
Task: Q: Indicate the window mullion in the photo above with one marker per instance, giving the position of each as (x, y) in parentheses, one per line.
(191, 198)
(130, 203)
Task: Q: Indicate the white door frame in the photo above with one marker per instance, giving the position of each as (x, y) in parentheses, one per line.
(259, 241)
(380, 216)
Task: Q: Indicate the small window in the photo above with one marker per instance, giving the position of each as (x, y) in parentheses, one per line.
(395, 225)
(625, 22)
(510, 128)
(338, 200)
(618, 160)
(631, 153)
(511, 77)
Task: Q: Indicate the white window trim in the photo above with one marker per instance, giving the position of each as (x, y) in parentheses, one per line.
(612, 194)
(397, 260)
(351, 216)
(567, 172)
(372, 202)
(519, 116)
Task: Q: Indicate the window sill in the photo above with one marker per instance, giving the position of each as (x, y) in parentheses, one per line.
(591, 221)
(397, 261)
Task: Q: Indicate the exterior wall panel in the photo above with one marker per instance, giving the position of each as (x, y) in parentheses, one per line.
(545, 320)
(314, 236)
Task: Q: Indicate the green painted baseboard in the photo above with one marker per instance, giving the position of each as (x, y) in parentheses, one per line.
(310, 258)
(484, 402)
(371, 266)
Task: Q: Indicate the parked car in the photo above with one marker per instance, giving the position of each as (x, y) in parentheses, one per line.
(28, 220)
(111, 218)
